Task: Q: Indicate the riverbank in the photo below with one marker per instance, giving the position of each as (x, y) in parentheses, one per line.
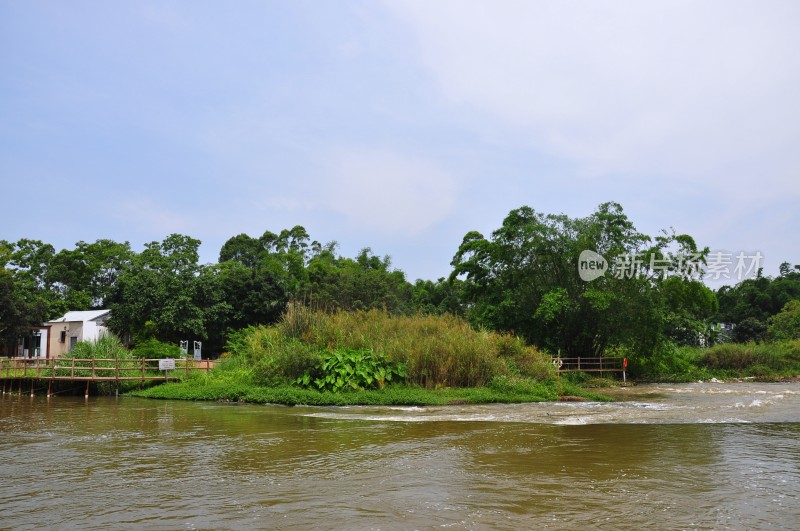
(373, 358)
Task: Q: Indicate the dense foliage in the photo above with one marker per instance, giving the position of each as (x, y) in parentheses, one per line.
(434, 351)
(525, 280)
(352, 369)
(522, 281)
(753, 304)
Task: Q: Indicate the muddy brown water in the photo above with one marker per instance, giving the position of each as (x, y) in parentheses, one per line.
(706, 456)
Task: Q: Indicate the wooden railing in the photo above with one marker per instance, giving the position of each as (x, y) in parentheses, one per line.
(74, 369)
(589, 364)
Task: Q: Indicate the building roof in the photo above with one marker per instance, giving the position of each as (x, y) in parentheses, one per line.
(91, 315)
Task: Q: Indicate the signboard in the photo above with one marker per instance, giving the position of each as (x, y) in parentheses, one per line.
(197, 352)
(166, 364)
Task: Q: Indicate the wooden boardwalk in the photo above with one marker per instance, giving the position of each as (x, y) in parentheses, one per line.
(17, 370)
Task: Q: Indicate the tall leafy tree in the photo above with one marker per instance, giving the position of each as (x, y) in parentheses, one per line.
(86, 276)
(363, 283)
(256, 278)
(12, 311)
(752, 302)
(786, 323)
(525, 279)
(158, 294)
(264, 274)
(29, 262)
(254, 296)
(442, 296)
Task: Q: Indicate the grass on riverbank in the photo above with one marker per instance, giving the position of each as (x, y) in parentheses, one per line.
(500, 390)
(760, 361)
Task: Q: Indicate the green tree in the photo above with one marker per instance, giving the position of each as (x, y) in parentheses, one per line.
(157, 295)
(29, 262)
(749, 329)
(758, 298)
(86, 276)
(12, 311)
(363, 283)
(688, 308)
(525, 280)
(786, 324)
(440, 297)
(253, 296)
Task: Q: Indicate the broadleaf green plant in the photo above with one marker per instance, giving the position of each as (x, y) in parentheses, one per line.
(352, 369)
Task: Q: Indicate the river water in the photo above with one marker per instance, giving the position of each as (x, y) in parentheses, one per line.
(708, 456)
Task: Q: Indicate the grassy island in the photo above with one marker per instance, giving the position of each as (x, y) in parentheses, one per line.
(373, 358)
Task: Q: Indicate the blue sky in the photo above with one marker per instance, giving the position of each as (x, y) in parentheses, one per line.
(398, 125)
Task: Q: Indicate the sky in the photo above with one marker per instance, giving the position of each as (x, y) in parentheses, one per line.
(398, 125)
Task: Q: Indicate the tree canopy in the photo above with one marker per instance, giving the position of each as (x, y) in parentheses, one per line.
(525, 279)
(585, 286)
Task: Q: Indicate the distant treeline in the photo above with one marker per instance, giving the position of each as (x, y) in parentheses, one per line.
(523, 279)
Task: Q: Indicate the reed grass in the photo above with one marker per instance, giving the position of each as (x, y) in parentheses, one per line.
(762, 361)
(437, 350)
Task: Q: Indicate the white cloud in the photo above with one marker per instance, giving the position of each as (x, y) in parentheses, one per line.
(388, 192)
(691, 90)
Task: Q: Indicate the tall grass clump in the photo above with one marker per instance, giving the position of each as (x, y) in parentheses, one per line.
(107, 346)
(437, 351)
(266, 356)
(755, 359)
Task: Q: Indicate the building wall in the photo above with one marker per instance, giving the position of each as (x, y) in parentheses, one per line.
(92, 331)
(69, 330)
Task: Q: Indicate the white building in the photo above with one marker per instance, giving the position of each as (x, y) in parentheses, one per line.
(74, 327)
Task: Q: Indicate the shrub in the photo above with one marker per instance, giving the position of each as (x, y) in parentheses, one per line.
(154, 349)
